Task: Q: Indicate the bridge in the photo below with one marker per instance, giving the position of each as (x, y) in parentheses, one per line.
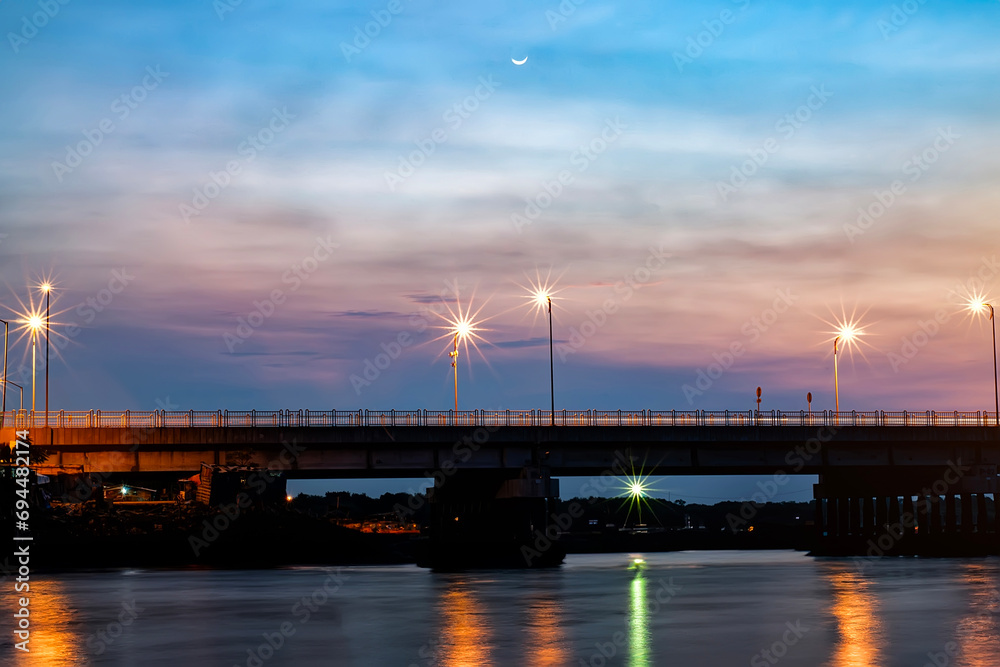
(874, 467)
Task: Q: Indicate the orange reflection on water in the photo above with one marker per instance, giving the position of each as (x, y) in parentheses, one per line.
(545, 638)
(53, 642)
(466, 633)
(860, 629)
(977, 636)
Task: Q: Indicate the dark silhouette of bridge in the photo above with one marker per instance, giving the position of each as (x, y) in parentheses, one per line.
(880, 472)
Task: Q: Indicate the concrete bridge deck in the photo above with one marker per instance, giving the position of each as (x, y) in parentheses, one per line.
(688, 444)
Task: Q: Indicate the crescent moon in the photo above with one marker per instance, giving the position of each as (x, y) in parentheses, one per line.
(519, 62)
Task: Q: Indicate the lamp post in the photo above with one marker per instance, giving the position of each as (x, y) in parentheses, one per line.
(47, 288)
(34, 322)
(836, 381)
(540, 295)
(979, 305)
(3, 401)
(996, 392)
(34, 346)
(19, 388)
(847, 331)
(552, 372)
(454, 364)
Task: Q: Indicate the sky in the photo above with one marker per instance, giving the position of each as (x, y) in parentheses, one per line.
(243, 204)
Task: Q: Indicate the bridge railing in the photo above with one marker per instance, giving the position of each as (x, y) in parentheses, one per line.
(24, 419)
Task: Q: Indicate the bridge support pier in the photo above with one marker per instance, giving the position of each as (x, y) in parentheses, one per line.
(862, 513)
(489, 518)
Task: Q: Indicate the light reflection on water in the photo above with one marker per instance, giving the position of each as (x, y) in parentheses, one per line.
(545, 633)
(859, 624)
(466, 631)
(977, 634)
(638, 640)
(729, 607)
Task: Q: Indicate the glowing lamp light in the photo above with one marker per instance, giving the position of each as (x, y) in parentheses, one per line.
(979, 305)
(288, 498)
(463, 328)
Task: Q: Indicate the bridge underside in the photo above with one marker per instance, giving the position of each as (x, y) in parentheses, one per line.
(904, 489)
(335, 452)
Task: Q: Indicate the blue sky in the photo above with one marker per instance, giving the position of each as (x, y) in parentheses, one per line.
(684, 94)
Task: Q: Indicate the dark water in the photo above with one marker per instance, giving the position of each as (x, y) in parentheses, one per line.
(691, 608)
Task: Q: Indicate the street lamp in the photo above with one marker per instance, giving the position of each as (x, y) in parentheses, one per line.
(46, 287)
(540, 294)
(848, 332)
(19, 388)
(3, 386)
(454, 364)
(979, 305)
(34, 323)
(542, 299)
(463, 328)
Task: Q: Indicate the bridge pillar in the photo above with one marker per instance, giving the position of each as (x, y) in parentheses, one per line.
(966, 513)
(950, 517)
(901, 514)
(894, 517)
(491, 518)
(844, 516)
(909, 516)
(934, 511)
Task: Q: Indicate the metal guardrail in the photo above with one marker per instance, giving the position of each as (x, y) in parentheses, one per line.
(23, 419)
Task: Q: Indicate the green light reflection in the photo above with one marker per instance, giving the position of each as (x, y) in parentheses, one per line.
(638, 623)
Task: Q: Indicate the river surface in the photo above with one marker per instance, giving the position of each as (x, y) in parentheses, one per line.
(688, 608)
